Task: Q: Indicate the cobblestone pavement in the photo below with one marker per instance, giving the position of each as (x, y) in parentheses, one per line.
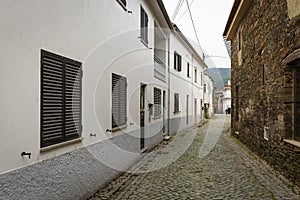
(229, 171)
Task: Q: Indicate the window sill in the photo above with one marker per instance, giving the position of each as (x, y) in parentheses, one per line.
(292, 142)
(118, 128)
(157, 117)
(55, 146)
(175, 113)
(142, 41)
(122, 5)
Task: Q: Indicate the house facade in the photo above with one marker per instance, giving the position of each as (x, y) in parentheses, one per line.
(208, 96)
(265, 41)
(226, 98)
(86, 89)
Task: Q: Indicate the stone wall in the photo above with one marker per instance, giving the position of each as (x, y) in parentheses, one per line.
(262, 84)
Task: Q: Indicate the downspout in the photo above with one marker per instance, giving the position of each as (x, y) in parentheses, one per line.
(169, 85)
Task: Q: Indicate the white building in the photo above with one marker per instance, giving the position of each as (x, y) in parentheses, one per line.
(226, 97)
(85, 89)
(208, 96)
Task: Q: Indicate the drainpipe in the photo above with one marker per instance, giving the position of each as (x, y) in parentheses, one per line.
(169, 86)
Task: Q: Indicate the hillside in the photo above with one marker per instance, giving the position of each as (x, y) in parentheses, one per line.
(220, 76)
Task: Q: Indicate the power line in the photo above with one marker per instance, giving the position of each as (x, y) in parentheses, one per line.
(194, 27)
(184, 12)
(176, 11)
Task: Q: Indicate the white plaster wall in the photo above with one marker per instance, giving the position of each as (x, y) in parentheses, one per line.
(182, 84)
(101, 35)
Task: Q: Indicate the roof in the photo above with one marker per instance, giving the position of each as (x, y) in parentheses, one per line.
(239, 9)
(180, 34)
(164, 12)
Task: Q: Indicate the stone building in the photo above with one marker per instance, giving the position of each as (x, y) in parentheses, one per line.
(265, 39)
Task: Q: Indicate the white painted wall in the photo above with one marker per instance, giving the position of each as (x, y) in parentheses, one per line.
(101, 35)
(105, 38)
(182, 84)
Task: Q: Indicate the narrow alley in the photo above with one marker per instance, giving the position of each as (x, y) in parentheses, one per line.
(228, 171)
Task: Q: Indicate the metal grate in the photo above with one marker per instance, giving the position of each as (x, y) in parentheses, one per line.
(157, 102)
(60, 99)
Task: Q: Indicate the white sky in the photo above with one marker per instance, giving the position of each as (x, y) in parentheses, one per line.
(210, 18)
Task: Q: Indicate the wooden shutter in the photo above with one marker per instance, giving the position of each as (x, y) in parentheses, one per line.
(179, 63)
(175, 61)
(176, 102)
(60, 99)
(144, 26)
(119, 101)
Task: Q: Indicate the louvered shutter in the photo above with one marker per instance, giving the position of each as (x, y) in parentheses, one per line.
(119, 101)
(144, 26)
(60, 99)
(176, 102)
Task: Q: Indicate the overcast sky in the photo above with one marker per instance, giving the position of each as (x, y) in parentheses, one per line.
(210, 17)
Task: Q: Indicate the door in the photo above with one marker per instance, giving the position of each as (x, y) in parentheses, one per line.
(187, 109)
(142, 116)
(196, 111)
(297, 103)
(164, 111)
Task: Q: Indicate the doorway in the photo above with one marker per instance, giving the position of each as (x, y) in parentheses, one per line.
(142, 116)
(164, 111)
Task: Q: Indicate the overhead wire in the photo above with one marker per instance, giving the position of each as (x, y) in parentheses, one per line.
(184, 12)
(194, 27)
(176, 11)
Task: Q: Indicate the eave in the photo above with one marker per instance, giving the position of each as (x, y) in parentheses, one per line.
(238, 11)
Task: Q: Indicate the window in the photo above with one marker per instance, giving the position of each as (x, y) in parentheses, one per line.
(236, 108)
(144, 26)
(204, 88)
(176, 103)
(188, 69)
(61, 81)
(240, 46)
(201, 77)
(119, 101)
(122, 3)
(177, 61)
(195, 75)
(296, 103)
(157, 103)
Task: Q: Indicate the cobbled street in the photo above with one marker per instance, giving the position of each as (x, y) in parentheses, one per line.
(185, 168)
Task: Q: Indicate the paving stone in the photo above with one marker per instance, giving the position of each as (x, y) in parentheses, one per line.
(229, 171)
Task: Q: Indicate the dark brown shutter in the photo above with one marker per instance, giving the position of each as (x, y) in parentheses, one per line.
(176, 102)
(60, 99)
(119, 101)
(175, 60)
(179, 63)
(144, 26)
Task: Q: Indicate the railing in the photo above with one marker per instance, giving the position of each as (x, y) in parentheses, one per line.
(159, 68)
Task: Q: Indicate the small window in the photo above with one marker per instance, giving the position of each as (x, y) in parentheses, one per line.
(188, 69)
(196, 75)
(266, 133)
(119, 101)
(204, 88)
(176, 103)
(61, 83)
(144, 26)
(177, 61)
(122, 3)
(157, 103)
